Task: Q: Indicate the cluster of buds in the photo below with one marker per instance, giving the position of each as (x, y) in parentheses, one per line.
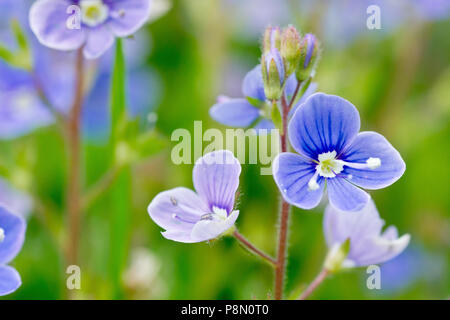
(285, 53)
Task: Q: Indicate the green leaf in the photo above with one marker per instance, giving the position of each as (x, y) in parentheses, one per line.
(149, 143)
(118, 96)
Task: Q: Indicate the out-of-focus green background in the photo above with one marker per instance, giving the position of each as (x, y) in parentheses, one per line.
(397, 77)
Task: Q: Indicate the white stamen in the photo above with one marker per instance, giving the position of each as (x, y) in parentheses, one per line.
(2, 235)
(312, 183)
(330, 167)
(373, 163)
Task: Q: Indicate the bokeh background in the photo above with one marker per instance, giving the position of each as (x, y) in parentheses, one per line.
(191, 52)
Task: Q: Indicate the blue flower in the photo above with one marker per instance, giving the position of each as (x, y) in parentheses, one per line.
(12, 235)
(254, 109)
(22, 110)
(100, 22)
(324, 131)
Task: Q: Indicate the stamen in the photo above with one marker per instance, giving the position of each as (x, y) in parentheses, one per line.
(371, 163)
(207, 216)
(2, 235)
(177, 217)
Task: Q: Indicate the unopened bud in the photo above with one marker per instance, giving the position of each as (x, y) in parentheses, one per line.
(308, 57)
(273, 74)
(290, 49)
(272, 39)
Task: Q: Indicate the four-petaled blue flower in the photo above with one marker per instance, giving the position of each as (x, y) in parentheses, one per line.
(189, 216)
(12, 234)
(254, 108)
(324, 131)
(368, 245)
(100, 22)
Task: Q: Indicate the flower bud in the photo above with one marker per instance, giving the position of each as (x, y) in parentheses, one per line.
(335, 260)
(308, 57)
(290, 49)
(272, 39)
(273, 74)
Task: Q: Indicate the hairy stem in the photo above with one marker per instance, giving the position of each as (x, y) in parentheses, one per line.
(250, 247)
(313, 286)
(73, 197)
(280, 268)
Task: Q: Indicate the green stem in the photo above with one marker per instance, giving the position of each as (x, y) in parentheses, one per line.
(251, 248)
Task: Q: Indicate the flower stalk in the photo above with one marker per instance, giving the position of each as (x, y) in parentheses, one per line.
(251, 248)
(313, 286)
(280, 269)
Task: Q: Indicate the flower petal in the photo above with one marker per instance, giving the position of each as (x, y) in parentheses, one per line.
(99, 40)
(216, 179)
(127, 16)
(177, 209)
(14, 230)
(290, 86)
(21, 112)
(345, 196)
(381, 250)
(234, 113)
(292, 174)
(253, 86)
(373, 145)
(9, 280)
(179, 236)
(48, 20)
(210, 229)
(324, 123)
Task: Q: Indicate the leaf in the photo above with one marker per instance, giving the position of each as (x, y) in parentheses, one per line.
(21, 58)
(276, 118)
(118, 96)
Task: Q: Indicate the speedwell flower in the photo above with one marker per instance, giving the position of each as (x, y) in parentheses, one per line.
(12, 234)
(368, 245)
(189, 216)
(254, 109)
(324, 131)
(100, 22)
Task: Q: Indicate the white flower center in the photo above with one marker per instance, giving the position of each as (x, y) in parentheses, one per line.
(2, 235)
(93, 12)
(329, 167)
